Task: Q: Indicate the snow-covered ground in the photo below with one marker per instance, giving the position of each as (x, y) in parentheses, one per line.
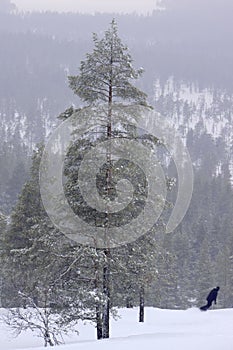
(162, 330)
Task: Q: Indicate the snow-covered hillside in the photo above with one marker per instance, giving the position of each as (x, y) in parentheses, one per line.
(162, 330)
(188, 106)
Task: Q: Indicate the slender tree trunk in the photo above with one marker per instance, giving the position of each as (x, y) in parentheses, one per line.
(106, 292)
(141, 304)
(98, 287)
(99, 325)
(106, 269)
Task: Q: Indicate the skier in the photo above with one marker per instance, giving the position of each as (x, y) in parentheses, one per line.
(211, 297)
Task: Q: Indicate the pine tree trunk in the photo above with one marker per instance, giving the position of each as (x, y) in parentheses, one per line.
(106, 292)
(99, 325)
(106, 269)
(141, 305)
(99, 321)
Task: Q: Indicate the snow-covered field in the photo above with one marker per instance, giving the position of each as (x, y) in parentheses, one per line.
(162, 330)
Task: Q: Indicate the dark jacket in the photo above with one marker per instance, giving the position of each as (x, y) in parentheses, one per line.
(213, 295)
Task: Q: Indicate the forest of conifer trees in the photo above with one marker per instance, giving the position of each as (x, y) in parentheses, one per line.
(42, 267)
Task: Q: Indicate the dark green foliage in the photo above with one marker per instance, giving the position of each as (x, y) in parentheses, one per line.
(120, 169)
(107, 72)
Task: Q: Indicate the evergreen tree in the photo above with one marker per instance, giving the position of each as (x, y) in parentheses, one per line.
(22, 253)
(223, 267)
(15, 184)
(43, 269)
(105, 76)
(205, 273)
(107, 72)
(138, 270)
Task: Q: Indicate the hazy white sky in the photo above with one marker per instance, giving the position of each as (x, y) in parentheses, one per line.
(90, 6)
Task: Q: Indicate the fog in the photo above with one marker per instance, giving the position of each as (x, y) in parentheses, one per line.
(90, 6)
(187, 55)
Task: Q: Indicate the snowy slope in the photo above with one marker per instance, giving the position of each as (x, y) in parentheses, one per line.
(162, 330)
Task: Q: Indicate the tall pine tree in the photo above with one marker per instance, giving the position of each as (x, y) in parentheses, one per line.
(106, 77)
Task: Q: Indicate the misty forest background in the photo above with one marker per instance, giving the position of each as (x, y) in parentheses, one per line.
(187, 55)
